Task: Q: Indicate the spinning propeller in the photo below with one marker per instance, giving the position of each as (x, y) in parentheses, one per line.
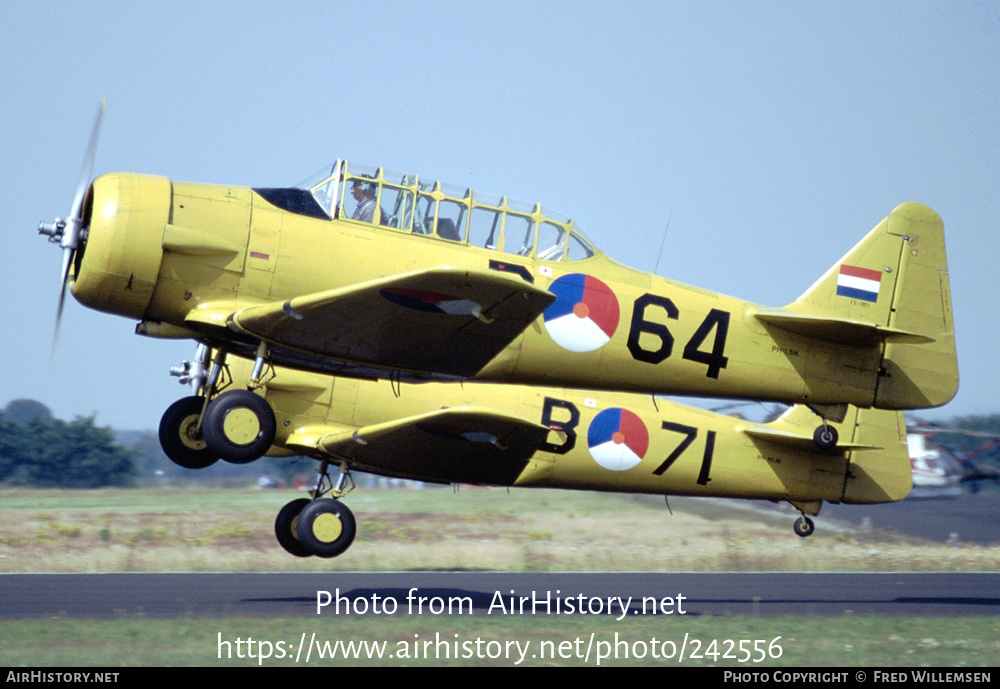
(70, 233)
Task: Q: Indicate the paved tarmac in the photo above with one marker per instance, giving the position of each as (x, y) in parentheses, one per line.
(431, 593)
(954, 517)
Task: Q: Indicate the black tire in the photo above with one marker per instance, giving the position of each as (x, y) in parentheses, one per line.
(825, 437)
(181, 444)
(326, 527)
(804, 527)
(284, 528)
(239, 426)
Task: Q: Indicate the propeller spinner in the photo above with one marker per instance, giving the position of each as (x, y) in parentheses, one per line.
(69, 233)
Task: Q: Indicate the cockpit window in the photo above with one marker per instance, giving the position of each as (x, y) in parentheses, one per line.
(439, 213)
(579, 249)
(518, 234)
(486, 221)
(407, 203)
(551, 242)
(325, 190)
(298, 201)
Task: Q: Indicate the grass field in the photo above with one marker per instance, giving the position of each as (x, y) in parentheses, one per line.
(157, 530)
(789, 642)
(185, 530)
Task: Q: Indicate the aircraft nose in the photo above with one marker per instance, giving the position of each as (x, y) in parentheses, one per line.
(117, 269)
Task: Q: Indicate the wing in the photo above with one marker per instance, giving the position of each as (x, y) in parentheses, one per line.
(446, 320)
(462, 445)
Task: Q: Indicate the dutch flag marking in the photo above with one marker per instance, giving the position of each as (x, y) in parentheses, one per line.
(858, 283)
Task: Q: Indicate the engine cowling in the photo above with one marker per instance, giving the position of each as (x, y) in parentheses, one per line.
(115, 271)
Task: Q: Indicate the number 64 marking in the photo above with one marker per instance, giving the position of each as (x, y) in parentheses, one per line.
(716, 320)
(690, 433)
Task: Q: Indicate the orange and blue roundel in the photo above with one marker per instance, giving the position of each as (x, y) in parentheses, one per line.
(584, 315)
(618, 439)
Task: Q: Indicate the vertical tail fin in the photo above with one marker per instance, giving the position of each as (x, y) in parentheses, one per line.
(891, 287)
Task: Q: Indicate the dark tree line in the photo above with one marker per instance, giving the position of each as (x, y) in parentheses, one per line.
(38, 450)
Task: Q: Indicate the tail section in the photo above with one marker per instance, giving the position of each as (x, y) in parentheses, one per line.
(890, 290)
(878, 460)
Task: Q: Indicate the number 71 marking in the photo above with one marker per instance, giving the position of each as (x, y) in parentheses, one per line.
(690, 433)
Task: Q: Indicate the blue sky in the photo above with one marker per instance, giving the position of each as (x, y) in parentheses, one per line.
(772, 135)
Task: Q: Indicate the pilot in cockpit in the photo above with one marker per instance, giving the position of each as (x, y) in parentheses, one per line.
(363, 192)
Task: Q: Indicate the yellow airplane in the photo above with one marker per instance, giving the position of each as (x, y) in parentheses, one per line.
(368, 273)
(506, 435)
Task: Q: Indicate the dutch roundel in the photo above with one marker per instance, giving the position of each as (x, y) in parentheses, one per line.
(584, 315)
(618, 439)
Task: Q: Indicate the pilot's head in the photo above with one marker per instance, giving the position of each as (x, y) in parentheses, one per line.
(362, 189)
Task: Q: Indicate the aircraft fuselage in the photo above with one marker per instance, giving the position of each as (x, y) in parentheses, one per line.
(182, 257)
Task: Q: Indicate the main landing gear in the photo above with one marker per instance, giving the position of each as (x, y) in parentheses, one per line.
(323, 527)
(239, 426)
(236, 426)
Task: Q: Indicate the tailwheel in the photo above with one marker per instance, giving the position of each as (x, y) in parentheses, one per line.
(285, 525)
(804, 526)
(181, 438)
(326, 527)
(239, 425)
(825, 437)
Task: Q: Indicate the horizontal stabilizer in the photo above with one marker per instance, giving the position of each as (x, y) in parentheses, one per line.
(840, 330)
(794, 430)
(798, 440)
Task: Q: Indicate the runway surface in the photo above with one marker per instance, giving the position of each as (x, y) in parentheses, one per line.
(954, 517)
(966, 518)
(295, 595)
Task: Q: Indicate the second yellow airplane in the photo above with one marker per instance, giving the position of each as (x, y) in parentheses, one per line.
(503, 435)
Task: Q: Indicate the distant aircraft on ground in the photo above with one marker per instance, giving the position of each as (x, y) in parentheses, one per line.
(938, 467)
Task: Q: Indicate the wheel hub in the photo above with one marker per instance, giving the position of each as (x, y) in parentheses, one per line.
(190, 434)
(327, 527)
(241, 426)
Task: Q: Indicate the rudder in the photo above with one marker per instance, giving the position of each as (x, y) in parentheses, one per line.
(925, 374)
(882, 473)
